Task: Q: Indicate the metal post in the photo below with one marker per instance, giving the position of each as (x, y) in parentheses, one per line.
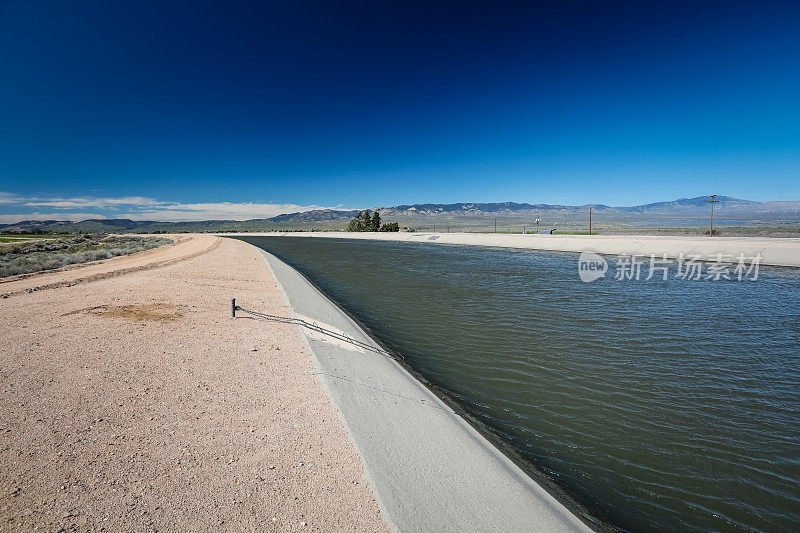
(233, 307)
(590, 221)
(712, 200)
(495, 225)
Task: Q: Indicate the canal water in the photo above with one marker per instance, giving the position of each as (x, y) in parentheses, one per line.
(660, 405)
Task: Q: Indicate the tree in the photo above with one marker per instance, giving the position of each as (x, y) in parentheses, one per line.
(369, 221)
(354, 224)
(366, 221)
(361, 222)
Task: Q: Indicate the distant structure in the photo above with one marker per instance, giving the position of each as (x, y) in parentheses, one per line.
(525, 228)
(712, 200)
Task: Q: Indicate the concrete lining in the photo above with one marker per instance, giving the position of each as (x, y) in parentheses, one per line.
(779, 252)
(429, 469)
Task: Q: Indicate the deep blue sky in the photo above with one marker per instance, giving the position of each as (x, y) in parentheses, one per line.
(380, 103)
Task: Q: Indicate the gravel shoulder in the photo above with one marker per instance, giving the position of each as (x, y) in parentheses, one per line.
(131, 401)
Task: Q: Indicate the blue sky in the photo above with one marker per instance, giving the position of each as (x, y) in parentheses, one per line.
(240, 110)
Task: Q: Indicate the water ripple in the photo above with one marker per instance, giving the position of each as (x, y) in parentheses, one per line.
(661, 405)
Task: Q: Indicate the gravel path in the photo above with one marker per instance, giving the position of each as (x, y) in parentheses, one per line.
(135, 403)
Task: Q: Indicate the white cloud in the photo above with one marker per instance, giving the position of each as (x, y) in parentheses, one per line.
(84, 202)
(8, 198)
(74, 217)
(140, 208)
(216, 211)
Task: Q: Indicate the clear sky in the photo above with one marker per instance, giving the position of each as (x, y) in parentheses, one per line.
(180, 110)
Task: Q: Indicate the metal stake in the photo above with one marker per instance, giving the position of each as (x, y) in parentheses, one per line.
(712, 200)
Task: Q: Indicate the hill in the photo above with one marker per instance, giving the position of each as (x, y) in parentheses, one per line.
(677, 212)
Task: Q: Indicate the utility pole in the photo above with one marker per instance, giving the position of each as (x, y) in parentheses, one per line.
(495, 225)
(590, 221)
(712, 200)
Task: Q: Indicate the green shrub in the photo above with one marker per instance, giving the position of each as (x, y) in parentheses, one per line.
(36, 256)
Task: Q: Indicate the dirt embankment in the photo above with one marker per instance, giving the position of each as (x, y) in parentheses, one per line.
(131, 401)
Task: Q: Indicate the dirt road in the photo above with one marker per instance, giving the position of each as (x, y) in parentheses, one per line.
(131, 401)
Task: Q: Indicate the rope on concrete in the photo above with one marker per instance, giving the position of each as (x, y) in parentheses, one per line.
(313, 327)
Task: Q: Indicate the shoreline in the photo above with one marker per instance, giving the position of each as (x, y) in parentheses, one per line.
(421, 484)
(773, 251)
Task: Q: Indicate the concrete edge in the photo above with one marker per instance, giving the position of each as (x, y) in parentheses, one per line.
(329, 393)
(529, 506)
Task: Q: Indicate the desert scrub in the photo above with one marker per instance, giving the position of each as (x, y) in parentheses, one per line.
(47, 255)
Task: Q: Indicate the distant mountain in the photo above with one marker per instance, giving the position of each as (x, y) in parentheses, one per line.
(124, 225)
(315, 216)
(496, 207)
(654, 212)
(782, 206)
(512, 207)
(683, 204)
(85, 226)
(676, 211)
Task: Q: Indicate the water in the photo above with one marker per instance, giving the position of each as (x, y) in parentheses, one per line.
(661, 405)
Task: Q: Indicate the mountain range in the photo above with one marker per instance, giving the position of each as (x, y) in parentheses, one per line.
(681, 211)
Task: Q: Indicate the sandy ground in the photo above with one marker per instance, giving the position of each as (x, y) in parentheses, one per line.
(133, 402)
